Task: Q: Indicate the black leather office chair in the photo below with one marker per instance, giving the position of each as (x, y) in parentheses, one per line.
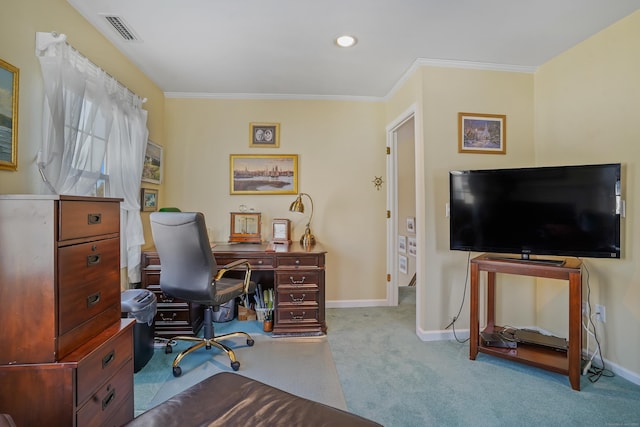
(189, 272)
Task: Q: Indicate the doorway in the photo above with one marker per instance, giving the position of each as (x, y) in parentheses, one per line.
(402, 250)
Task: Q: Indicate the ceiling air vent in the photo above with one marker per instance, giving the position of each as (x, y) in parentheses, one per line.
(121, 27)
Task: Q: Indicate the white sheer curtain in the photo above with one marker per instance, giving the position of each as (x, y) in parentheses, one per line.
(89, 117)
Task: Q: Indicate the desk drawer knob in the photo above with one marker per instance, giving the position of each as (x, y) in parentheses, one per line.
(297, 282)
(94, 218)
(260, 262)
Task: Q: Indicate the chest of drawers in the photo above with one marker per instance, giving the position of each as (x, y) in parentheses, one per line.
(60, 288)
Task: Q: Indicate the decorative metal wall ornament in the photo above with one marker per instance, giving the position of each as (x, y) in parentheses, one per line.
(378, 182)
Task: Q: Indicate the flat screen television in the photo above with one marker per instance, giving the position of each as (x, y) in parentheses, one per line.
(558, 210)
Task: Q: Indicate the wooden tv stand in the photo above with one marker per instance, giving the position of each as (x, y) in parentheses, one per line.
(567, 363)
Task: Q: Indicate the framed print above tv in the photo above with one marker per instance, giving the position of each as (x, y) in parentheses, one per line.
(482, 133)
(263, 174)
(152, 169)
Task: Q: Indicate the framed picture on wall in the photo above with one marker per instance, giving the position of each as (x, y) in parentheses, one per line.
(9, 76)
(411, 224)
(263, 174)
(148, 200)
(265, 135)
(403, 264)
(482, 133)
(152, 169)
(402, 244)
(411, 246)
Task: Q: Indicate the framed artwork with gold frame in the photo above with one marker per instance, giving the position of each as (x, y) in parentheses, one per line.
(9, 78)
(263, 174)
(482, 133)
(281, 230)
(246, 227)
(266, 135)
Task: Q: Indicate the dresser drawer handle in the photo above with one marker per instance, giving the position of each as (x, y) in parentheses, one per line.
(110, 357)
(166, 298)
(297, 282)
(297, 300)
(297, 317)
(93, 260)
(94, 218)
(93, 299)
(108, 398)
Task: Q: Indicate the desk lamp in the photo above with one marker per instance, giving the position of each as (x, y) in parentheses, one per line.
(307, 238)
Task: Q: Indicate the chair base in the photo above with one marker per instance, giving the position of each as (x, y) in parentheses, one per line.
(208, 341)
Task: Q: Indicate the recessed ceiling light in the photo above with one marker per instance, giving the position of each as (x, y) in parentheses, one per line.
(346, 41)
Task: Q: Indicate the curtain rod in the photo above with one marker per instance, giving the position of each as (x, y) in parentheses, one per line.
(45, 40)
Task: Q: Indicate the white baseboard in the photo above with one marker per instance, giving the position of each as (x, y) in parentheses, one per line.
(357, 303)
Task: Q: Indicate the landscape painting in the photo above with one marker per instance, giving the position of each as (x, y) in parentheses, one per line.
(264, 174)
(482, 133)
(8, 116)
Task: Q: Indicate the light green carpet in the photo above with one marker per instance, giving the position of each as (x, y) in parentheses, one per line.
(394, 378)
(301, 366)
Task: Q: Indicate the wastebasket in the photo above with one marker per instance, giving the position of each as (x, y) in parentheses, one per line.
(226, 312)
(140, 304)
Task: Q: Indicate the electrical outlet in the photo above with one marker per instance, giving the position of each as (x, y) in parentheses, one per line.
(601, 313)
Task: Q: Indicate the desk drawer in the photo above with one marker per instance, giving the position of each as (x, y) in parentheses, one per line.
(256, 261)
(295, 297)
(108, 399)
(296, 316)
(297, 278)
(103, 363)
(85, 219)
(300, 260)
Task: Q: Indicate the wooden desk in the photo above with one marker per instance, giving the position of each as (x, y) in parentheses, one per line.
(564, 363)
(295, 273)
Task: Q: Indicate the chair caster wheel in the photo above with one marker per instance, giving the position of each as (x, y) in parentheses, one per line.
(234, 365)
(177, 371)
(250, 342)
(168, 349)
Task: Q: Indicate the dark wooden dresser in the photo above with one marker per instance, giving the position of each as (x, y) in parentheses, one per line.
(294, 272)
(67, 357)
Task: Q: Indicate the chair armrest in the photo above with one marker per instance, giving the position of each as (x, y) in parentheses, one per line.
(234, 265)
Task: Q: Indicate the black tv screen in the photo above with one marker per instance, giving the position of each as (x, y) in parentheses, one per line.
(559, 210)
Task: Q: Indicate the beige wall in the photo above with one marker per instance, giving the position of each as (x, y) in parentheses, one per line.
(586, 103)
(341, 149)
(19, 22)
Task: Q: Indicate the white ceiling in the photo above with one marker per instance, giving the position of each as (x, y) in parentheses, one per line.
(285, 48)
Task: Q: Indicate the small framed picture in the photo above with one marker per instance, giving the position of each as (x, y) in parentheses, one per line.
(411, 246)
(152, 168)
(411, 224)
(482, 133)
(148, 200)
(403, 262)
(266, 135)
(402, 244)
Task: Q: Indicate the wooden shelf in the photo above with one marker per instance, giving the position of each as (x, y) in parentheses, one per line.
(566, 363)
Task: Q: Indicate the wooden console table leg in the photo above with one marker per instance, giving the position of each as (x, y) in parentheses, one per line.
(491, 299)
(473, 315)
(575, 329)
